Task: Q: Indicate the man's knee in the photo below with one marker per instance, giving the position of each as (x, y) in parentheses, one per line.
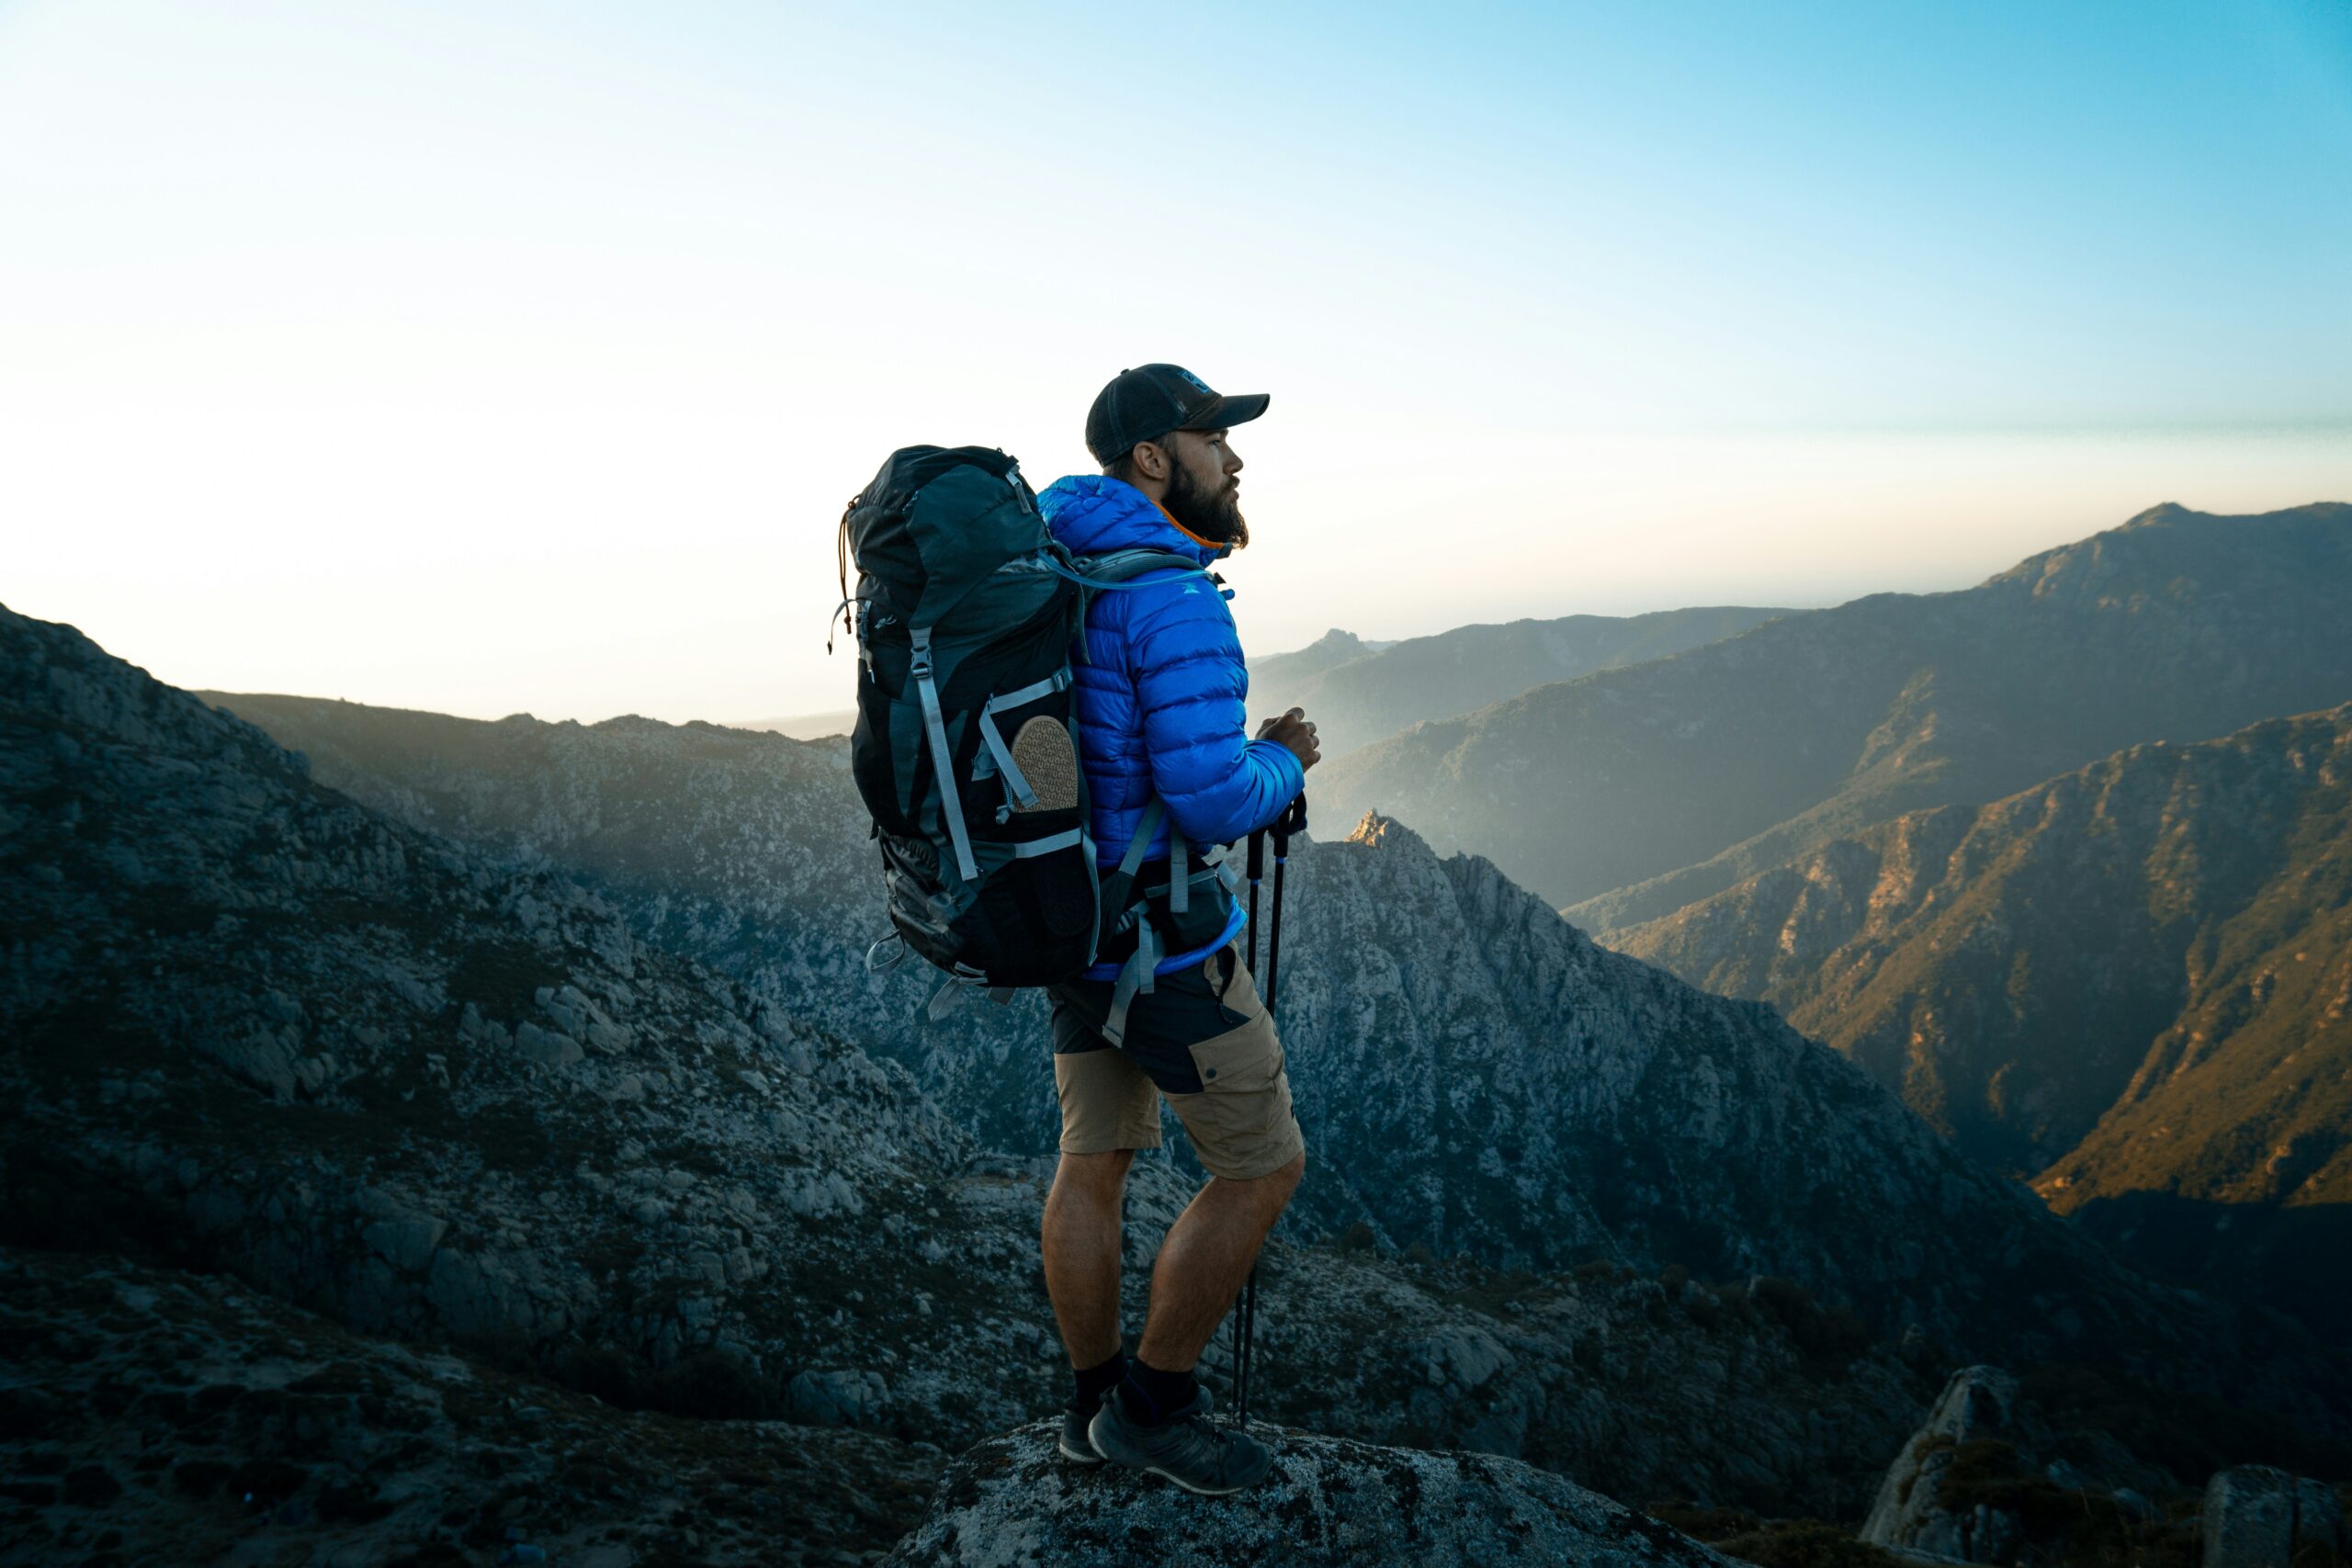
(1271, 1191)
(1284, 1180)
(1103, 1175)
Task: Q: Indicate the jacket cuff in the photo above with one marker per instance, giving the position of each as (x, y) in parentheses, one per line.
(1288, 770)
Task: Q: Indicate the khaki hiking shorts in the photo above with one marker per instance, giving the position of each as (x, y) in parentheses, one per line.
(1203, 1039)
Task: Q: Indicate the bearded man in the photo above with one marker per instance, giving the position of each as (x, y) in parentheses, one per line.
(1160, 693)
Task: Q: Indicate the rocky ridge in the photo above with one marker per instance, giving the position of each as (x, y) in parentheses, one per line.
(2132, 978)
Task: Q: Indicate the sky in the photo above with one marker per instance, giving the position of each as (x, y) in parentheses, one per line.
(503, 358)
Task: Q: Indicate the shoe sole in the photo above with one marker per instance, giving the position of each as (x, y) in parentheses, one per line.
(1072, 1455)
(1195, 1491)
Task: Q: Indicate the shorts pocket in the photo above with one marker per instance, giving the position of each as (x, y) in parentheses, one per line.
(1245, 1061)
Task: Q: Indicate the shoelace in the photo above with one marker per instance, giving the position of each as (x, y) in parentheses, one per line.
(1217, 1435)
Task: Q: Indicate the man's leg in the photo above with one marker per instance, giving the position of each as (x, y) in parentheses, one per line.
(1213, 1051)
(1081, 1242)
(1203, 1263)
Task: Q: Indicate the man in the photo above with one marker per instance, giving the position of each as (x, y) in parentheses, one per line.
(1160, 707)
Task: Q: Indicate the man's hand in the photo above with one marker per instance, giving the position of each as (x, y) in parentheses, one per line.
(1293, 730)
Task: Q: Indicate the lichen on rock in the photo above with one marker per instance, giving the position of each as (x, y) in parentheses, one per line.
(1014, 1501)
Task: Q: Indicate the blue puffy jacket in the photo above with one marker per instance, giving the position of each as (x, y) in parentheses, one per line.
(1161, 698)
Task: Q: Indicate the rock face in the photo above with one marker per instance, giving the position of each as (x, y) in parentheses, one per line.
(252, 1025)
(2260, 1517)
(1014, 1503)
(1643, 789)
(153, 1416)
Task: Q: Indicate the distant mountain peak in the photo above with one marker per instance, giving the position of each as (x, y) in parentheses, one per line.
(1380, 832)
(2162, 512)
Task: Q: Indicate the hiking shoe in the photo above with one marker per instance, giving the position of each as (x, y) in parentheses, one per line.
(1076, 1447)
(1190, 1451)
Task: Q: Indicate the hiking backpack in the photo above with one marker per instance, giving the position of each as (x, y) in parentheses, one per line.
(964, 615)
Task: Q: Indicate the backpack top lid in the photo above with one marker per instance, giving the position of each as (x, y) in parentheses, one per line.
(935, 521)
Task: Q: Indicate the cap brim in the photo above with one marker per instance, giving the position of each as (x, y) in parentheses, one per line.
(1227, 412)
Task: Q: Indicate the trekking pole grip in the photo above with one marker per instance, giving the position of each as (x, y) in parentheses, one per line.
(1292, 820)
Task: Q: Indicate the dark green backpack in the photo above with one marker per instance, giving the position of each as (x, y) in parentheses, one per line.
(965, 613)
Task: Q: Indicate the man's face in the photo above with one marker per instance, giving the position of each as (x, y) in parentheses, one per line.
(1205, 485)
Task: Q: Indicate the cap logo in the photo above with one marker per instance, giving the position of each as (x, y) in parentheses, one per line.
(1197, 383)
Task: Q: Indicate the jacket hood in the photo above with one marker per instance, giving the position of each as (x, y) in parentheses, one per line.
(1093, 515)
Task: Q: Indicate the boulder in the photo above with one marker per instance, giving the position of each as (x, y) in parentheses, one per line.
(2259, 1518)
(1013, 1500)
(1977, 1404)
(548, 1047)
(835, 1398)
(405, 1242)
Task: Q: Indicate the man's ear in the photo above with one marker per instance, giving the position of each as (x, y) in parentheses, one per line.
(1152, 460)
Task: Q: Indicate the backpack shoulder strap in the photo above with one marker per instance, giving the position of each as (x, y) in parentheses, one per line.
(1113, 569)
(1120, 568)
(1137, 974)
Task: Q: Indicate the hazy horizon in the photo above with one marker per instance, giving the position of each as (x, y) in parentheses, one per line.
(520, 359)
(1270, 628)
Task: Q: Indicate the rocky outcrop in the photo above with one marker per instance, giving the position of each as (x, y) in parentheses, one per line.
(1911, 1511)
(1992, 1477)
(1014, 1503)
(2259, 1518)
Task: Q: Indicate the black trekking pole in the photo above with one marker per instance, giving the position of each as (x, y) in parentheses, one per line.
(1257, 869)
(1292, 820)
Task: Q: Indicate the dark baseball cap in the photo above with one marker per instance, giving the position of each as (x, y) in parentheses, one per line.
(1147, 403)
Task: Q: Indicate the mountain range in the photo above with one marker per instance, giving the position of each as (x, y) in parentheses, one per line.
(1628, 794)
(1359, 691)
(551, 1051)
(1477, 1078)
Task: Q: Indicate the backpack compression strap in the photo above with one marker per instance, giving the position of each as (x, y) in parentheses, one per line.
(1139, 971)
(943, 764)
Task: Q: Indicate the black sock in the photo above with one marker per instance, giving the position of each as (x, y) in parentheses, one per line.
(1093, 1382)
(1150, 1396)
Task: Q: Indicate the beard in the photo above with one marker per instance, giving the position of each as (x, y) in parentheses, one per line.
(1212, 514)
